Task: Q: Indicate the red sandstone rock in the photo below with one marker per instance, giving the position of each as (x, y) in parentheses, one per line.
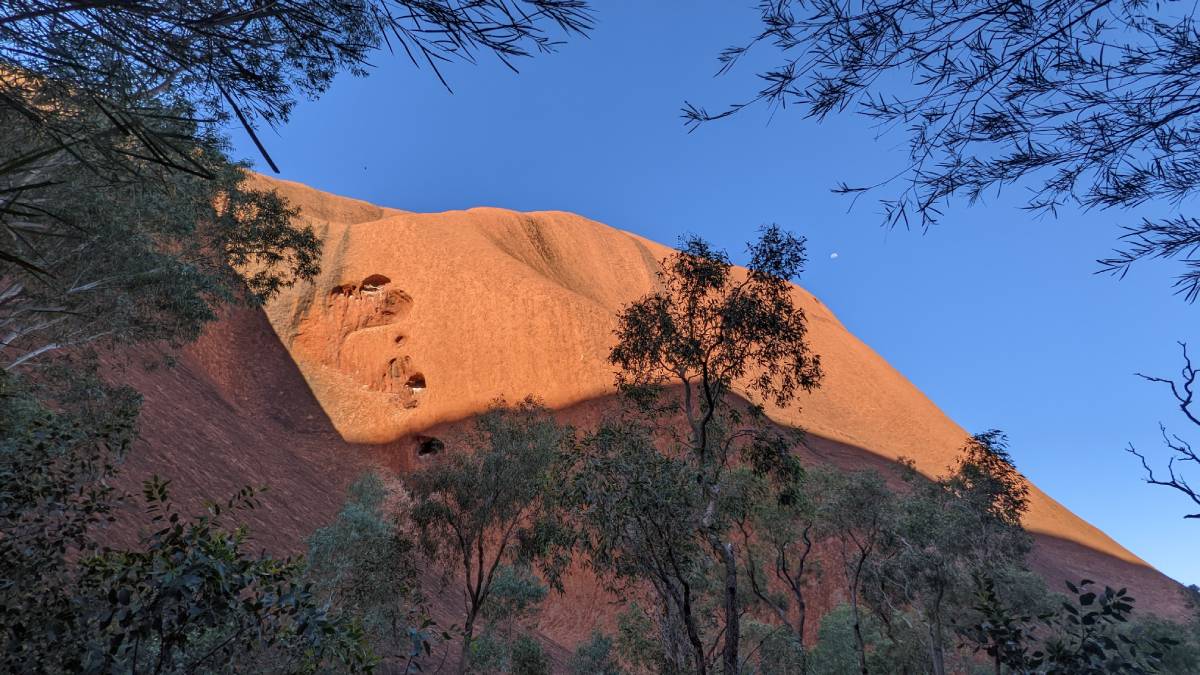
(419, 321)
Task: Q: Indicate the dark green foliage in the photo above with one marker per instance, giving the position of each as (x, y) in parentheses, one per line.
(597, 656)
(140, 64)
(779, 524)
(1179, 643)
(488, 653)
(639, 642)
(493, 503)
(126, 223)
(143, 253)
(123, 217)
(189, 597)
(1004, 637)
(515, 597)
(146, 261)
(493, 652)
(192, 598)
(505, 644)
(944, 531)
(53, 493)
(1086, 636)
(1089, 633)
(774, 649)
(364, 566)
(708, 329)
(836, 650)
(855, 509)
(637, 512)
(681, 351)
(528, 657)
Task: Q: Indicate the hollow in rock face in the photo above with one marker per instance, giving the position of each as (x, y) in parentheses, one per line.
(429, 445)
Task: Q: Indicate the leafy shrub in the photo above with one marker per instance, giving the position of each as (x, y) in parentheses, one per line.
(1087, 634)
(528, 657)
(515, 597)
(367, 568)
(595, 657)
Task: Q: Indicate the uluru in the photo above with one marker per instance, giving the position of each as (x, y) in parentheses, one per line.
(418, 322)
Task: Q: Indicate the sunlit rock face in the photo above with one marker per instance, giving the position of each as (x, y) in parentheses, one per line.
(420, 321)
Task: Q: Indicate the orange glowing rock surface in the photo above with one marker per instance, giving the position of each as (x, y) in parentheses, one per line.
(420, 321)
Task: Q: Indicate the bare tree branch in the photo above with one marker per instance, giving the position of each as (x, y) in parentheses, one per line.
(1182, 452)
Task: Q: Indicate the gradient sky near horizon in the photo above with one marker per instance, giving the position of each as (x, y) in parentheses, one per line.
(994, 314)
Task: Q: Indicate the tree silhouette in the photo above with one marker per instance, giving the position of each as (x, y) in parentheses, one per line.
(709, 328)
(1182, 452)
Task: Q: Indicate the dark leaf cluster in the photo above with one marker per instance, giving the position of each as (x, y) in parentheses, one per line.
(1086, 634)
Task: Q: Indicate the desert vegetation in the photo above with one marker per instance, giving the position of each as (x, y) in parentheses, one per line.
(128, 229)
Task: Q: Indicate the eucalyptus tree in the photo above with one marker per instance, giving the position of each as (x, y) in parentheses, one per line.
(779, 524)
(189, 596)
(142, 261)
(857, 513)
(493, 503)
(683, 349)
(636, 511)
(946, 531)
(124, 221)
(507, 643)
(364, 566)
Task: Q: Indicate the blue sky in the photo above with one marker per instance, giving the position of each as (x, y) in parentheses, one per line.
(994, 314)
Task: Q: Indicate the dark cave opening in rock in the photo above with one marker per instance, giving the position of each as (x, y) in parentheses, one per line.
(428, 445)
(416, 382)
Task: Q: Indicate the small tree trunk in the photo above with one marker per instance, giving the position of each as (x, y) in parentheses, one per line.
(732, 617)
(858, 636)
(689, 622)
(801, 616)
(678, 613)
(675, 643)
(936, 638)
(937, 656)
(468, 633)
(800, 643)
(801, 613)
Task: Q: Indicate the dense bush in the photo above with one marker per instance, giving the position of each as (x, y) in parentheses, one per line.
(595, 657)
